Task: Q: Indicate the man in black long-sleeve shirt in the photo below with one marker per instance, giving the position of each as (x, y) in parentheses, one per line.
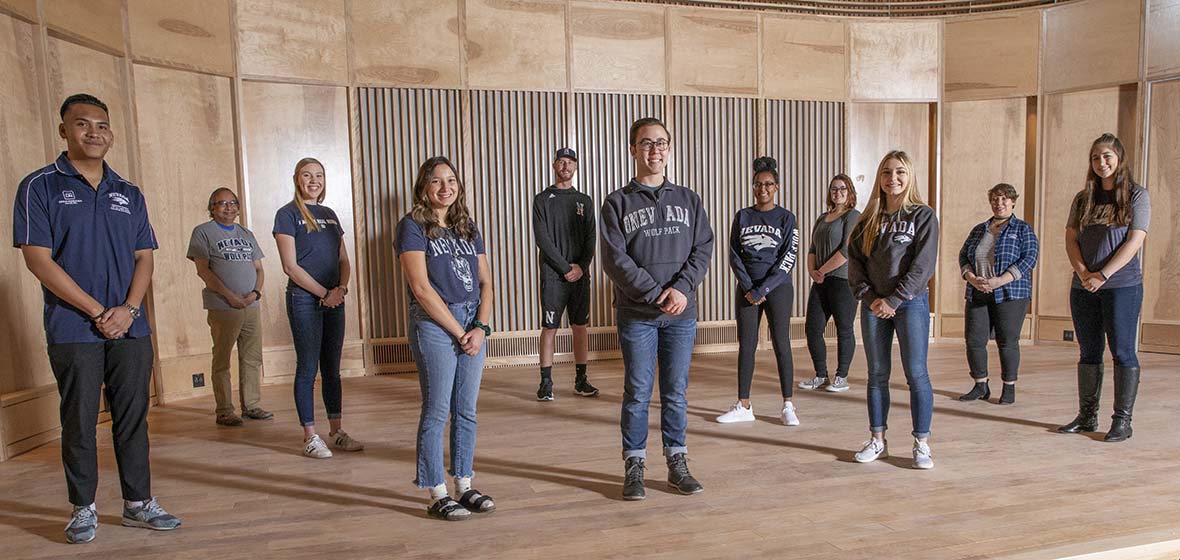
(563, 224)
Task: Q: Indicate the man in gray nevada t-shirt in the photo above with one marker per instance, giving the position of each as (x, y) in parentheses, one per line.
(228, 260)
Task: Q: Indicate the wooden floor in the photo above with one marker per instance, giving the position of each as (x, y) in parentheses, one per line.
(1004, 484)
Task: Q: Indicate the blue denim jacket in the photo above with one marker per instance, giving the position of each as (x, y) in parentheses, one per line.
(1016, 251)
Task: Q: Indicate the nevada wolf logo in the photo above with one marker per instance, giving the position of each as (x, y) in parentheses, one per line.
(759, 241)
(581, 210)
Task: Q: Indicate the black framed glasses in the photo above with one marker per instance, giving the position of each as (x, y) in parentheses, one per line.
(660, 145)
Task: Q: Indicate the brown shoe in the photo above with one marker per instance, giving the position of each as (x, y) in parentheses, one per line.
(257, 414)
(229, 419)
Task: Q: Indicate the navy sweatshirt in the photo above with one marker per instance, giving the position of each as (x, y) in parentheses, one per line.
(901, 262)
(763, 247)
(652, 239)
(563, 224)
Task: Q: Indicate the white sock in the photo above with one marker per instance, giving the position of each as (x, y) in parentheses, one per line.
(462, 484)
(438, 492)
(130, 504)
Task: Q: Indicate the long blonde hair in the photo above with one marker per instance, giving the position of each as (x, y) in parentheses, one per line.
(308, 219)
(868, 227)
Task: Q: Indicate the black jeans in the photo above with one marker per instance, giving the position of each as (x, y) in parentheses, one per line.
(983, 315)
(778, 316)
(831, 299)
(1107, 315)
(125, 367)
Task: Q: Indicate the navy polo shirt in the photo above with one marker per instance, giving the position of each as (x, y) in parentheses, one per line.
(92, 234)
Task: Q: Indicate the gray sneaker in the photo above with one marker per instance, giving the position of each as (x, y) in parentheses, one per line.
(815, 383)
(82, 524)
(838, 385)
(922, 458)
(149, 515)
(872, 450)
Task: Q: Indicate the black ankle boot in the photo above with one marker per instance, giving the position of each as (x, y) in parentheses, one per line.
(1089, 391)
(1008, 395)
(981, 391)
(1126, 387)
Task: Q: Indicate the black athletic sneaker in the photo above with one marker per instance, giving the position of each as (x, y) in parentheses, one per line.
(545, 391)
(633, 480)
(679, 477)
(583, 388)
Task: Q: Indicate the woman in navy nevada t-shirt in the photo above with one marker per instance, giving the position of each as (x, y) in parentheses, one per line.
(450, 287)
(311, 245)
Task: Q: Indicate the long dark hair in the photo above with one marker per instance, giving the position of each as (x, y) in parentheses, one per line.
(1122, 184)
(457, 215)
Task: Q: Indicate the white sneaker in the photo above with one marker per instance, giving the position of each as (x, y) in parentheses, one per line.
(922, 458)
(814, 383)
(872, 450)
(838, 385)
(789, 417)
(344, 442)
(315, 448)
(738, 413)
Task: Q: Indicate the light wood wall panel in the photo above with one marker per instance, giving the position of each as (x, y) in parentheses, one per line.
(190, 35)
(617, 47)
(76, 69)
(874, 129)
(604, 165)
(1163, 42)
(896, 60)
(399, 129)
(983, 143)
(514, 136)
(516, 44)
(302, 39)
(408, 43)
(26, 9)
(712, 52)
(24, 364)
(715, 143)
(807, 139)
(99, 22)
(1072, 122)
(992, 57)
(186, 141)
(1091, 43)
(804, 59)
(1161, 257)
(281, 124)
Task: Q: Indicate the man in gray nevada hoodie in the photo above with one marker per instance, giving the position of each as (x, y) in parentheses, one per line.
(656, 246)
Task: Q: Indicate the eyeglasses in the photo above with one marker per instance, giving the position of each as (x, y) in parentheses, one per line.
(840, 188)
(660, 145)
(226, 203)
(766, 186)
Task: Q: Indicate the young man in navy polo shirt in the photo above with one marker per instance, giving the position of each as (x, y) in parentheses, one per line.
(84, 233)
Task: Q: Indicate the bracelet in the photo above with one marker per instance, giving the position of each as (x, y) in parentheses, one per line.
(1100, 273)
(95, 318)
(256, 293)
(487, 329)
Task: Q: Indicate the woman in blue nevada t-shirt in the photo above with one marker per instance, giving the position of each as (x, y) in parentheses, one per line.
(450, 287)
(1107, 226)
(310, 240)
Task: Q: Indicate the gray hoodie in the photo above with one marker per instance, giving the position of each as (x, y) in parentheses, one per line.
(901, 263)
(654, 239)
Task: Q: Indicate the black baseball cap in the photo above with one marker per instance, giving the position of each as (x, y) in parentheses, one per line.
(567, 153)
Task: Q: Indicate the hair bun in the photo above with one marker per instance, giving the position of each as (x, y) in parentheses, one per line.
(765, 163)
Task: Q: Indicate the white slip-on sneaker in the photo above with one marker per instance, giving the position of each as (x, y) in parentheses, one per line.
(922, 457)
(873, 449)
(789, 416)
(738, 413)
(315, 448)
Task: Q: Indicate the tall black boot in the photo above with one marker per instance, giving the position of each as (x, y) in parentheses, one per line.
(1089, 391)
(1126, 387)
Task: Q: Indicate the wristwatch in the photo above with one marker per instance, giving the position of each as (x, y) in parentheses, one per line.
(487, 329)
(135, 312)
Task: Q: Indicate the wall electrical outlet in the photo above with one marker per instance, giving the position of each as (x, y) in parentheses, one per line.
(198, 380)
(1067, 336)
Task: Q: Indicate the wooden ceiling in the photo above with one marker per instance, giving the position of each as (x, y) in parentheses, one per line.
(866, 8)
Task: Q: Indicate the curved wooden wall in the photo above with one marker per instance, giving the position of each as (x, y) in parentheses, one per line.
(232, 93)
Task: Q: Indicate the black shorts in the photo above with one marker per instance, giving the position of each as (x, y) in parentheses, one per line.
(558, 295)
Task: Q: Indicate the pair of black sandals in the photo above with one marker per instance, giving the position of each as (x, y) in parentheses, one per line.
(471, 502)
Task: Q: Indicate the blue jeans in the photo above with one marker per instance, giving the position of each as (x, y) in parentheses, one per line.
(1111, 314)
(912, 325)
(450, 386)
(318, 333)
(643, 344)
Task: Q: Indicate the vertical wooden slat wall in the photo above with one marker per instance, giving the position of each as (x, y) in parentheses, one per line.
(399, 129)
(807, 139)
(604, 164)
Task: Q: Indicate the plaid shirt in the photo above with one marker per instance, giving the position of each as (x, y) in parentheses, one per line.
(1016, 251)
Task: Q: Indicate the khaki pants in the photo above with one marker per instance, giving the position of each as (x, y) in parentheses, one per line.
(243, 327)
